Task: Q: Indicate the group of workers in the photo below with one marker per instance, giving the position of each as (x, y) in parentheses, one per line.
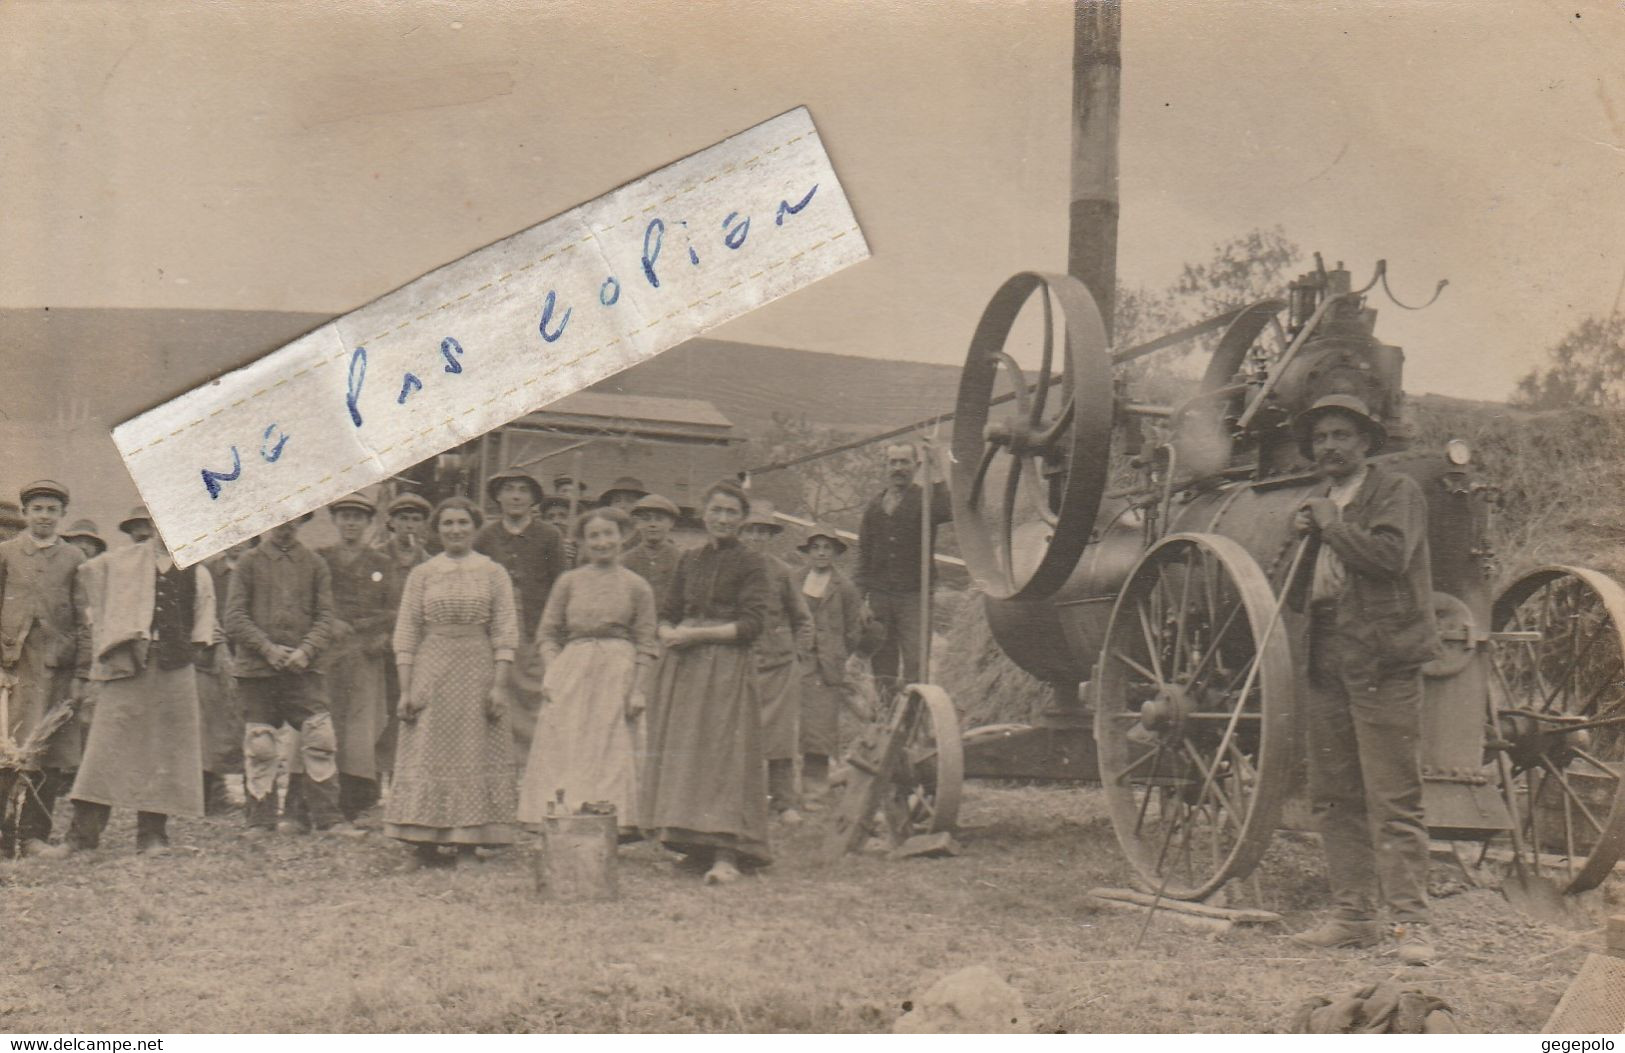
(682, 687)
(484, 672)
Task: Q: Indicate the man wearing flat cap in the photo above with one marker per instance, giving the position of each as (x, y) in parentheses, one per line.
(1367, 587)
(532, 552)
(44, 658)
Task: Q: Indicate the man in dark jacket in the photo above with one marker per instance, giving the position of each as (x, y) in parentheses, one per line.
(889, 562)
(279, 617)
(1368, 588)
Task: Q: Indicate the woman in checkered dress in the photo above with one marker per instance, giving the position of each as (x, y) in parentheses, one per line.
(454, 641)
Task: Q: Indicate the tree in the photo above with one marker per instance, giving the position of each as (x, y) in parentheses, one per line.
(1585, 368)
(827, 489)
(1239, 271)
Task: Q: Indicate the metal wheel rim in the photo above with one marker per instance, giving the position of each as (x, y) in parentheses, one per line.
(1084, 420)
(931, 770)
(1529, 785)
(1244, 797)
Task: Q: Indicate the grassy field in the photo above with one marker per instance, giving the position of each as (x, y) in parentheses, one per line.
(310, 934)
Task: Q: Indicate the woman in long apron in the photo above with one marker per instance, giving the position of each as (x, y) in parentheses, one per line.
(705, 789)
(455, 636)
(597, 641)
(149, 619)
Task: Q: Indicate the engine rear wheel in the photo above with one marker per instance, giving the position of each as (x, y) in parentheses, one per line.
(1558, 721)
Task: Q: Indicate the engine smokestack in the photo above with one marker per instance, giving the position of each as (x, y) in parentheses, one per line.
(1097, 68)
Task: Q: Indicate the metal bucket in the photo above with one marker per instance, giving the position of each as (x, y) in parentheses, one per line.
(576, 859)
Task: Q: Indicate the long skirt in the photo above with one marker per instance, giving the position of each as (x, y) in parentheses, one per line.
(779, 688)
(584, 744)
(145, 749)
(454, 773)
(355, 689)
(821, 714)
(222, 713)
(705, 785)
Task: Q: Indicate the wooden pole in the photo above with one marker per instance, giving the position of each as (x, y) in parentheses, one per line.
(927, 491)
(1097, 66)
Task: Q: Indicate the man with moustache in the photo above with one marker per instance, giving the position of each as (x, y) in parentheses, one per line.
(1367, 587)
(888, 573)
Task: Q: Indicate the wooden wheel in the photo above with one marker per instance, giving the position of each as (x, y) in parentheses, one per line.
(1557, 720)
(1192, 717)
(907, 773)
(1053, 446)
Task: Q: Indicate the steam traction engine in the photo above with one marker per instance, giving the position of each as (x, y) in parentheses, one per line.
(1135, 555)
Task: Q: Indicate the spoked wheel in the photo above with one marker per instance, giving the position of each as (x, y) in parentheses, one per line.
(1192, 717)
(1558, 722)
(1028, 480)
(922, 796)
(906, 773)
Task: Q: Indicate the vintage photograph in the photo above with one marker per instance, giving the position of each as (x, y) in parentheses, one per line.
(1174, 584)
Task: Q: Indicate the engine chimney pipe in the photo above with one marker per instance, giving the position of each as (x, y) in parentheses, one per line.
(1097, 67)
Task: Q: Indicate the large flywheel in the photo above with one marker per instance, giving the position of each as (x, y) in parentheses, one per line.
(1028, 479)
(1557, 720)
(1192, 715)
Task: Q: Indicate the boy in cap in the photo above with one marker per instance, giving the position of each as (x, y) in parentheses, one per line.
(653, 554)
(405, 547)
(837, 613)
(279, 615)
(44, 658)
(354, 665)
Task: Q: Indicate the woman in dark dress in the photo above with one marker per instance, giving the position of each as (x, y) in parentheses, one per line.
(705, 790)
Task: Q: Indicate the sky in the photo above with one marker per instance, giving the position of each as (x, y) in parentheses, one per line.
(313, 156)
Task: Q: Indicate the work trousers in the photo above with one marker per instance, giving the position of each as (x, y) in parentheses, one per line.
(1365, 779)
(899, 612)
(90, 819)
(299, 700)
(40, 790)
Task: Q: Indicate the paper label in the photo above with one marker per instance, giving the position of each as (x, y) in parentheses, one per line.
(493, 336)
